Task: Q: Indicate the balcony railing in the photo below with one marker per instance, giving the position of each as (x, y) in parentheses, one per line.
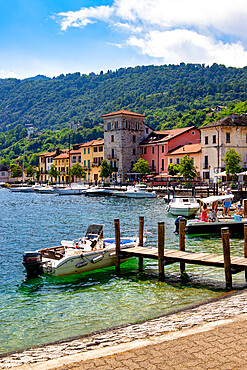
(95, 164)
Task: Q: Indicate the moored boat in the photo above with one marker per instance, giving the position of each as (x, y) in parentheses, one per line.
(137, 191)
(96, 191)
(183, 206)
(22, 189)
(73, 189)
(72, 257)
(45, 190)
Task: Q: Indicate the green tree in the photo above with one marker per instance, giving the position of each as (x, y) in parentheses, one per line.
(30, 171)
(142, 166)
(77, 171)
(37, 174)
(16, 171)
(232, 160)
(105, 169)
(53, 172)
(173, 169)
(187, 168)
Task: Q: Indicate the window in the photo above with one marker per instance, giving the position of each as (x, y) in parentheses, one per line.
(101, 149)
(88, 150)
(170, 160)
(153, 167)
(146, 130)
(84, 150)
(116, 125)
(74, 159)
(193, 133)
(214, 139)
(206, 161)
(206, 175)
(144, 150)
(79, 158)
(152, 149)
(162, 164)
(162, 149)
(112, 138)
(134, 138)
(85, 162)
(88, 163)
(228, 137)
(109, 126)
(134, 151)
(112, 153)
(95, 149)
(206, 140)
(177, 160)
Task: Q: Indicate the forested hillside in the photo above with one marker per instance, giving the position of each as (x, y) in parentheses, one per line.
(170, 96)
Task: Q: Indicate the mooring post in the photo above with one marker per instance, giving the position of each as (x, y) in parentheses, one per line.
(227, 257)
(117, 238)
(161, 244)
(141, 230)
(245, 207)
(245, 246)
(182, 223)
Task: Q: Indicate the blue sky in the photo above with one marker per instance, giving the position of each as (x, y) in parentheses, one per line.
(51, 37)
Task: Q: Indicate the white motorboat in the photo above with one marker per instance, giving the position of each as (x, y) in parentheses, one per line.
(137, 191)
(72, 189)
(73, 257)
(22, 189)
(183, 206)
(97, 191)
(45, 189)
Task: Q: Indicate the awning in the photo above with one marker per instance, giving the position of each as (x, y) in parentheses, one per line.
(220, 174)
(217, 198)
(242, 173)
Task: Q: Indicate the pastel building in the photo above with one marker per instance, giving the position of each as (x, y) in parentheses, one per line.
(191, 150)
(158, 146)
(45, 162)
(92, 154)
(217, 138)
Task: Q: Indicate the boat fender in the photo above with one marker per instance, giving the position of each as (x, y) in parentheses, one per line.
(98, 258)
(81, 264)
(176, 231)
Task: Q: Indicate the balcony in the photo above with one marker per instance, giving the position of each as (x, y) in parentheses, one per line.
(95, 164)
(110, 157)
(206, 166)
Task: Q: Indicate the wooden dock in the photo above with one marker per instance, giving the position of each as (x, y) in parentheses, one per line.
(231, 265)
(195, 258)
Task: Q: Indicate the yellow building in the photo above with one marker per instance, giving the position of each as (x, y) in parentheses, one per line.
(92, 154)
(62, 165)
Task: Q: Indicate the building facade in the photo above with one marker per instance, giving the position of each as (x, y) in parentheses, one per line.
(220, 136)
(4, 173)
(123, 132)
(155, 149)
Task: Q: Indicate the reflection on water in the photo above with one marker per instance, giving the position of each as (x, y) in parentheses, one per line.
(45, 309)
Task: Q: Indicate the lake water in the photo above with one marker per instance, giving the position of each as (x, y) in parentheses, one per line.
(46, 309)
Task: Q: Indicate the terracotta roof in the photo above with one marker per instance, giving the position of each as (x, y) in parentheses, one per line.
(124, 112)
(98, 142)
(62, 156)
(232, 120)
(75, 151)
(164, 136)
(186, 149)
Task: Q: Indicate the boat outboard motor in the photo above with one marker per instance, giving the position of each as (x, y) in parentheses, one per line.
(177, 223)
(32, 261)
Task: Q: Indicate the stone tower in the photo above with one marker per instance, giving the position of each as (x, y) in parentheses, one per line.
(123, 131)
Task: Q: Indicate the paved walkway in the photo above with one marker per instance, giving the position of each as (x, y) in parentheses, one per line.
(204, 340)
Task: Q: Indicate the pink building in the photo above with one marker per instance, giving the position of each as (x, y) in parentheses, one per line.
(156, 147)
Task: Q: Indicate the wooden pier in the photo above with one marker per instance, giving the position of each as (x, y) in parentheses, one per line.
(231, 265)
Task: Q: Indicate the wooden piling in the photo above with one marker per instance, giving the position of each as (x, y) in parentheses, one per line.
(161, 244)
(141, 230)
(245, 207)
(117, 238)
(227, 257)
(245, 246)
(182, 223)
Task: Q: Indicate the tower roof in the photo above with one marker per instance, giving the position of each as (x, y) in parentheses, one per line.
(123, 112)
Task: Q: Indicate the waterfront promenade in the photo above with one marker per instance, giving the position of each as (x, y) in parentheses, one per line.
(211, 335)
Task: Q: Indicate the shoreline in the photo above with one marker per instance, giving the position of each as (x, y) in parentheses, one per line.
(221, 308)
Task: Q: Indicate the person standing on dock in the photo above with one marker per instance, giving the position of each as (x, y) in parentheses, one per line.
(227, 203)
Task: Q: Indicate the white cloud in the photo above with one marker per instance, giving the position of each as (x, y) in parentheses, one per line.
(175, 30)
(7, 74)
(84, 16)
(128, 27)
(188, 46)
